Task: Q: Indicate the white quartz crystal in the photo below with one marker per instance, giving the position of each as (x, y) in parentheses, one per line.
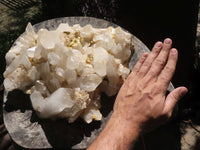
(65, 70)
(100, 60)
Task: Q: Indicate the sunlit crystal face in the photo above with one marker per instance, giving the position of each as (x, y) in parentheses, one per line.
(65, 70)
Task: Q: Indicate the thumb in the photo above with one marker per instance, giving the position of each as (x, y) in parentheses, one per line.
(173, 98)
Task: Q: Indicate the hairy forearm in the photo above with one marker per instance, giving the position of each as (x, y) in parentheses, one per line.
(117, 135)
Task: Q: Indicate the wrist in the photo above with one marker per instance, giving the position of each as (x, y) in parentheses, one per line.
(117, 135)
(128, 127)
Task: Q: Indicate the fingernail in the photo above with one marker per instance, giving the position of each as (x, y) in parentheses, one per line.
(158, 44)
(144, 55)
(183, 92)
(167, 41)
(173, 51)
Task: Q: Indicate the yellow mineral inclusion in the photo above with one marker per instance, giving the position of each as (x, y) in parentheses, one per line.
(77, 72)
(125, 67)
(82, 41)
(76, 41)
(91, 43)
(66, 32)
(36, 42)
(35, 62)
(93, 117)
(89, 59)
(73, 42)
(109, 52)
(31, 60)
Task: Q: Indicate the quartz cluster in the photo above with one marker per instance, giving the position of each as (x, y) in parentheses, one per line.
(65, 70)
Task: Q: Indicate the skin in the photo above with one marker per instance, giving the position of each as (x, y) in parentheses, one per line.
(141, 104)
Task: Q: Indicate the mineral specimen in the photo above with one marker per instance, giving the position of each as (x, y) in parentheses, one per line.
(65, 70)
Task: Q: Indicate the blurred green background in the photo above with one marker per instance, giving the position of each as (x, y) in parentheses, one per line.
(13, 20)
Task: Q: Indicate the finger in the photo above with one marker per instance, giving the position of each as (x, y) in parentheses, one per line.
(139, 64)
(160, 61)
(148, 62)
(173, 98)
(168, 71)
(133, 76)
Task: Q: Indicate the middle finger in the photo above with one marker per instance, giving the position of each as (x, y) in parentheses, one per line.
(148, 62)
(161, 59)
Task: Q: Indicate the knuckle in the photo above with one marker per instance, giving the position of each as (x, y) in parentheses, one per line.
(174, 96)
(156, 51)
(146, 64)
(160, 62)
(140, 86)
(147, 79)
(164, 78)
(142, 72)
(157, 90)
(169, 69)
(136, 69)
(152, 73)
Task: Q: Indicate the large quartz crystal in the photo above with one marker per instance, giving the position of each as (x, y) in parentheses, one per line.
(65, 70)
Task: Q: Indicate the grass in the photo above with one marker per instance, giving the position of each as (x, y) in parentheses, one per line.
(12, 24)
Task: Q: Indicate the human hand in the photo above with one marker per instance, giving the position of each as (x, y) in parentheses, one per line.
(141, 104)
(142, 99)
